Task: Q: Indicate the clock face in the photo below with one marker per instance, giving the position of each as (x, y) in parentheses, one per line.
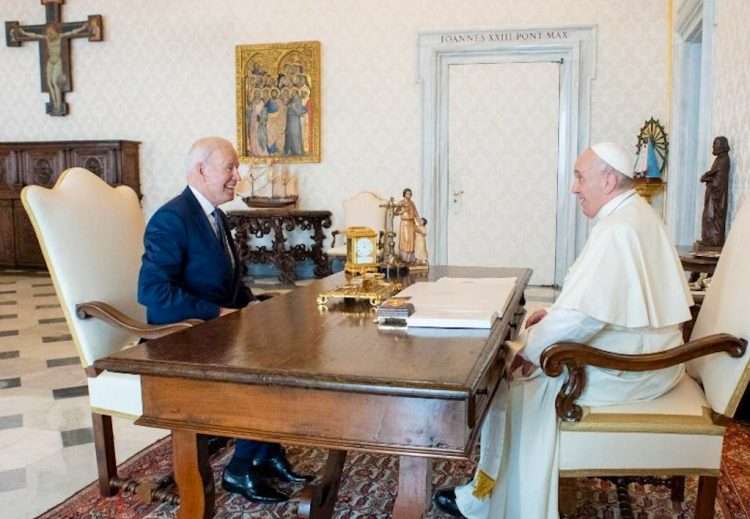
(365, 251)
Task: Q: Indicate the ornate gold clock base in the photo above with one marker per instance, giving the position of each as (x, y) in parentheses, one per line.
(371, 287)
(360, 270)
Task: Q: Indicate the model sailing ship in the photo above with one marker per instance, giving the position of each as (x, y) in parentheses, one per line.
(269, 185)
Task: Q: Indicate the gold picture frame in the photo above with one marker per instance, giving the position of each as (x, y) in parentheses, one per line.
(271, 80)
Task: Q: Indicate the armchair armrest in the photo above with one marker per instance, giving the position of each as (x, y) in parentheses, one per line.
(114, 317)
(575, 357)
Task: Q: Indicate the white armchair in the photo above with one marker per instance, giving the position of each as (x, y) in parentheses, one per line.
(680, 433)
(363, 209)
(91, 235)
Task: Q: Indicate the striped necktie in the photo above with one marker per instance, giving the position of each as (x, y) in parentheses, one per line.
(222, 234)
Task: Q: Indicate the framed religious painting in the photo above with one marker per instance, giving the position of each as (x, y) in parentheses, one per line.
(278, 102)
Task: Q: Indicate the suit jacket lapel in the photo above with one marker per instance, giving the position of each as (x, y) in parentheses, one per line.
(201, 220)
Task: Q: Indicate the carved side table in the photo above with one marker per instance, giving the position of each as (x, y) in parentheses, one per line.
(278, 223)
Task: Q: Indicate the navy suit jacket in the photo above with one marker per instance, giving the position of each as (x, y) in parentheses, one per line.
(185, 271)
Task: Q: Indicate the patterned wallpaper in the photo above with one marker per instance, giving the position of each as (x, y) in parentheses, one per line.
(165, 75)
(731, 108)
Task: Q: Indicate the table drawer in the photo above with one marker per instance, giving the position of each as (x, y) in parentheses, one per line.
(486, 390)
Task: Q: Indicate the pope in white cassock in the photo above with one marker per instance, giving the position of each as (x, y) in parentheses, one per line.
(626, 293)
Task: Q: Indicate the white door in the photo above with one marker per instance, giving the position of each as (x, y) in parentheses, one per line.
(502, 166)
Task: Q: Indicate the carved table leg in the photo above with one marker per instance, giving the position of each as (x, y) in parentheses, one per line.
(281, 257)
(623, 498)
(317, 500)
(414, 488)
(322, 265)
(192, 472)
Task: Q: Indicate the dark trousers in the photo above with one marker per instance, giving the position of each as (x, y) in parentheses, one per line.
(245, 451)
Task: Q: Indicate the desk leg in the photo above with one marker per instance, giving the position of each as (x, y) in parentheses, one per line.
(192, 473)
(317, 501)
(414, 488)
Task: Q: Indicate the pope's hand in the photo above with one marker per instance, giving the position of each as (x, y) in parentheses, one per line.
(520, 363)
(536, 317)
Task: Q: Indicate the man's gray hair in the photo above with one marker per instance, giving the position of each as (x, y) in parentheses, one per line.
(202, 149)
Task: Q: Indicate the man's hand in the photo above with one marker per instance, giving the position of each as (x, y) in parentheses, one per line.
(225, 311)
(536, 317)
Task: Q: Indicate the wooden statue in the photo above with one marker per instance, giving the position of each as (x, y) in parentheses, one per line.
(713, 231)
(407, 230)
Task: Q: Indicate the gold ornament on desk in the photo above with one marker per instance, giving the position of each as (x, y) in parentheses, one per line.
(391, 264)
(361, 250)
(370, 286)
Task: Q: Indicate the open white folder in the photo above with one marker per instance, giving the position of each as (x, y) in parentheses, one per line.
(458, 302)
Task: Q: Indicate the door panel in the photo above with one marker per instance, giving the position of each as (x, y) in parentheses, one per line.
(503, 156)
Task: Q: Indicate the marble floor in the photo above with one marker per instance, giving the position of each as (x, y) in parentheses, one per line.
(46, 439)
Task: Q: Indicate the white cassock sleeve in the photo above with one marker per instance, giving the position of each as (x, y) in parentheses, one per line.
(560, 324)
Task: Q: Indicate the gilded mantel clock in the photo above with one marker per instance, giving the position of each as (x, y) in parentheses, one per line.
(361, 250)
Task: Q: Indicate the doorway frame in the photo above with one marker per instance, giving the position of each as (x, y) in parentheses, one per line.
(575, 48)
(684, 194)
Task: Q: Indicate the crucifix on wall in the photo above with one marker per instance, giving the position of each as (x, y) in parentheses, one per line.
(54, 49)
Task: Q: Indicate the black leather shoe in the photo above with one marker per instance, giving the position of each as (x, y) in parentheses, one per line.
(254, 488)
(216, 443)
(445, 500)
(278, 467)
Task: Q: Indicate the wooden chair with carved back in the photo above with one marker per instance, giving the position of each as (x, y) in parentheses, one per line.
(91, 235)
(681, 432)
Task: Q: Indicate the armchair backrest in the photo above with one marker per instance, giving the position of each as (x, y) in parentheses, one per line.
(91, 236)
(724, 310)
(363, 210)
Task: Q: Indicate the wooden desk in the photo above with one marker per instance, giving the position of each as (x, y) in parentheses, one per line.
(278, 223)
(286, 370)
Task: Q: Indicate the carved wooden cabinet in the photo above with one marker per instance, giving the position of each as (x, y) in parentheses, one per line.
(40, 163)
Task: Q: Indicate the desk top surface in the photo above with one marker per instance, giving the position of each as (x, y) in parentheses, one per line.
(289, 340)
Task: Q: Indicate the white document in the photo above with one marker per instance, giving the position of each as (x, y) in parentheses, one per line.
(458, 302)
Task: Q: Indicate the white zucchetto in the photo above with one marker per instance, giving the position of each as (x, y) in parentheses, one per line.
(616, 156)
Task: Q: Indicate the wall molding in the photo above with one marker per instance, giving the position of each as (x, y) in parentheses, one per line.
(575, 48)
(688, 159)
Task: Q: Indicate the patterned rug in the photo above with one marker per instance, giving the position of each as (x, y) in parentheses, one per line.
(369, 486)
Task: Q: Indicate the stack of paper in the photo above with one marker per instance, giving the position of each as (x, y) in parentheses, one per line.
(458, 302)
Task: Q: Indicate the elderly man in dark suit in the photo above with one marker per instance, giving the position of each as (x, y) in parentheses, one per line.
(190, 270)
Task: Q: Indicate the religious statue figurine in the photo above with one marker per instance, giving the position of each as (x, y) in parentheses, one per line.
(420, 245)
(407, 230)
(713, 232)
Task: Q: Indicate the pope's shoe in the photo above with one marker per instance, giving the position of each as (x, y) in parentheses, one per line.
(445, 500)
(251, 486)
(278, 467)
